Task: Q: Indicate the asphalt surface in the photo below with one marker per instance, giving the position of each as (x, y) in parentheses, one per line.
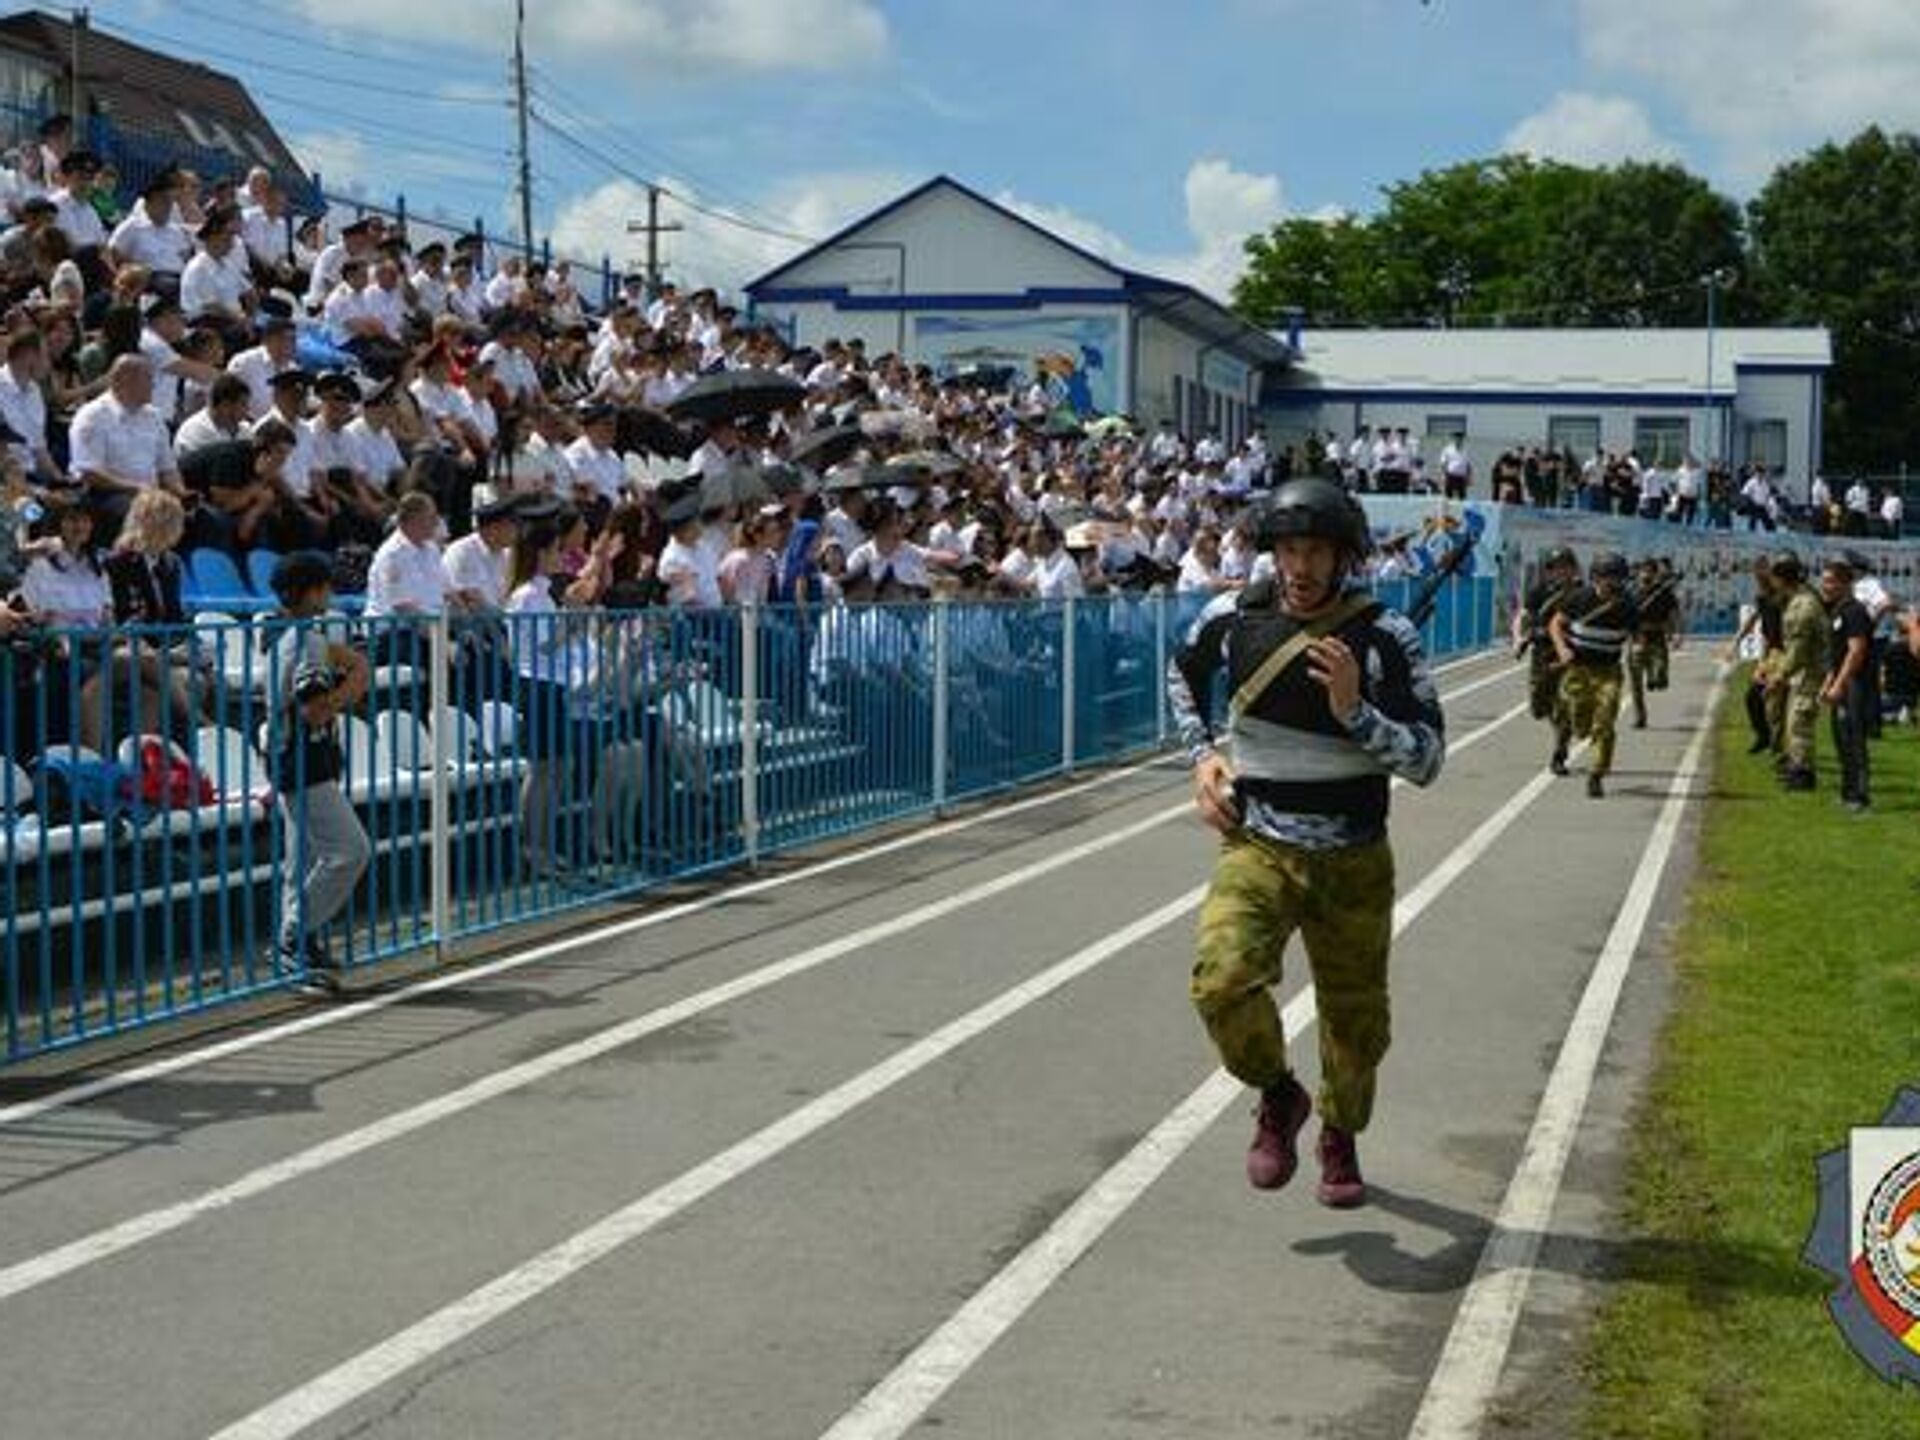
(744, 1214)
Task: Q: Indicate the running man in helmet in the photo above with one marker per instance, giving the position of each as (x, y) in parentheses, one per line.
(1559, 578)
(1590, 635)
(1331, 698)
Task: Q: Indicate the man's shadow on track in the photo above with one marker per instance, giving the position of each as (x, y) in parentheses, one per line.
(1380, 1258)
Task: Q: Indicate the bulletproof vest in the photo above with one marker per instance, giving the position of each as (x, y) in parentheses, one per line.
(1288, 750)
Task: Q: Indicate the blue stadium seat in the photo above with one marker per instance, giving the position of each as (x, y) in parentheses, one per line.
(214, 583)
(260, 565)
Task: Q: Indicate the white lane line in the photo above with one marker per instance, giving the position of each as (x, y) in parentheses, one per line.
(136, 1230)
(1468, 1372)
(94, 1089)
(338, 1015)
(345, 1383)
(916, 1384)
(328, 1393)
(114, 1239)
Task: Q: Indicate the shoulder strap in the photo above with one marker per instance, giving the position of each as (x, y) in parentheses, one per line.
(1271, 669)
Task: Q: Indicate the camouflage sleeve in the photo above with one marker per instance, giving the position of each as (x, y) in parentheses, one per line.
(1190, 675)
(1399, 721)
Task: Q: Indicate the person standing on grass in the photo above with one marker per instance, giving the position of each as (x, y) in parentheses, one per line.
(1331, 698)
(1800, 673)
(1846, 692)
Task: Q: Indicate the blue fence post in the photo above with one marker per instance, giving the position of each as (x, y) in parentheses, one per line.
(606, 281)
(749, 632)
(1160, 657)
(1068, 651)
(439, 856)
(941, 610)
(400, 212)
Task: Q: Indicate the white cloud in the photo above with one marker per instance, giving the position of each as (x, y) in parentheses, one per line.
(1223, 207)
(1584, 129)
(344, 162)
(702, 34)
(1764, 81)
(710, 250)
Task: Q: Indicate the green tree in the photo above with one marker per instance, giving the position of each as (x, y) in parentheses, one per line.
(1836, 242)
(1506, 241)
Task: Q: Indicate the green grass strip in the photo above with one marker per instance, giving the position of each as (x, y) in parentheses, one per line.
(1796, 1016)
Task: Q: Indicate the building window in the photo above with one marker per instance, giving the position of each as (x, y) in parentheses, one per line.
(1661, 440)
(1445, 427)
(1767, 444)
(1578, 433)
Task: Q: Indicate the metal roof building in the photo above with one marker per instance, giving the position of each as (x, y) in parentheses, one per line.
(1735, 394)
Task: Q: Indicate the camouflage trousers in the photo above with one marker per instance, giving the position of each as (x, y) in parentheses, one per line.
(1591, 694)
(1802, 698)
(1341, 902)
(1543, 683)
(1647, 668)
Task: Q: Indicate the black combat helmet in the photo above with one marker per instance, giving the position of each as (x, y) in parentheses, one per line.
(1788, 566)
(1559, 555)
(1314, 509)
(1608, 565)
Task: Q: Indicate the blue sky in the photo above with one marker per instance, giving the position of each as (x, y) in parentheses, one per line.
(1157, 133)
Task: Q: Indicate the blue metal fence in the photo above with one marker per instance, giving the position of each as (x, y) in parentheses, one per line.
(510, 768)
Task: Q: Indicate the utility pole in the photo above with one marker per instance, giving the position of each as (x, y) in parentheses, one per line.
(653, 229)
(520, 105)
(79, 24)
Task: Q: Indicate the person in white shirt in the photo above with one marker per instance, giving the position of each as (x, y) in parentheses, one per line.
(408, 575)
(549, 658)
(1056, 574)
(380, 458)
(357, 241)
(466, 301)
(120, 445)
(1860, 501)
(223, 418)
(444, 408)
(1360, 458)
(845, 523)
(508, 287)
(687, 566)
(364, 320)
(76, 217)
(217, 286)
(1758, 500)
(479, 564)
(1200, 571)
(430, 279)
(597, 467)
(890, 556)
(1653, 492)
(1688, 485)
(515, 367)
(356, 508)
(1893, 512)
(23, 404)
(166, 327)
(264, 230)
(1820, 502)
(1456, 468)
(299, 473)
(274, 355)
(152, 234)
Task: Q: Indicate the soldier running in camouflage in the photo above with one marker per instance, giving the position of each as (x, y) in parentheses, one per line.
(1559, 578)
(1648, 653)
(1330, 699)
(1589, 637)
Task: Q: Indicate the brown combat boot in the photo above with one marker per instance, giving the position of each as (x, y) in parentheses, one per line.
(1341, 1187)
(1274, 1154)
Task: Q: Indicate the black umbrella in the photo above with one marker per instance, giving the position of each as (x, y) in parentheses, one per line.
(937, 464)
(862, 477)
(641, 430)
(785, 480)
(733, 485)
(735, 395)
(826, 448)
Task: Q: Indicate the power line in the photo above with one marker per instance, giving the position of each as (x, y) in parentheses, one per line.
(318, 76)
(305, 42)
(647, 154)
(386, 133)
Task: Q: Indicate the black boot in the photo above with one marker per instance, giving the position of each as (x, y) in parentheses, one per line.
(1558, 764)
(1596, 789)
(1798, 778)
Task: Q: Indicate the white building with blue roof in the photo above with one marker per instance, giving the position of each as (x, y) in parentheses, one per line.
(1739, 395)
(948, 278)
